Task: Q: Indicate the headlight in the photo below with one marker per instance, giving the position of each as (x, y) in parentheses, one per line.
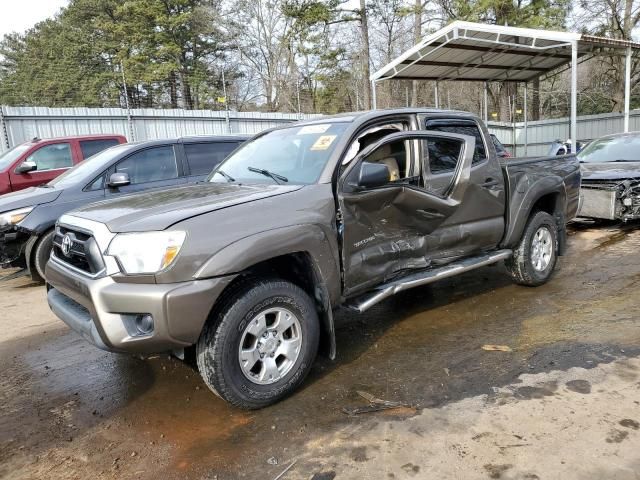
(14, 217)
(147, 252)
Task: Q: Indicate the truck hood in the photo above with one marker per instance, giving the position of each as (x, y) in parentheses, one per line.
(29, 197)
(610, 170)
(158, 210)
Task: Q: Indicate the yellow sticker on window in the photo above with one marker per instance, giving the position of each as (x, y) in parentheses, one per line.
(323, 142)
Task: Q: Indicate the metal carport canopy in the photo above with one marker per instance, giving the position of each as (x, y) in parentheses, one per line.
(465, 51)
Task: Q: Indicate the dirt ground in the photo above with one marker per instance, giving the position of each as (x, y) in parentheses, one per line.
(564, 403)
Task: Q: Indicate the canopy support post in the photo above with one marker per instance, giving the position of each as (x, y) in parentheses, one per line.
(374, 102)
(486, 104)
(627, 88)
(436, 95)
(526, 126)
(574, 96)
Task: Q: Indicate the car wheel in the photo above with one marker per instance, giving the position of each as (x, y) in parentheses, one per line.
(40, 256)
(535, 257)
(261, 343)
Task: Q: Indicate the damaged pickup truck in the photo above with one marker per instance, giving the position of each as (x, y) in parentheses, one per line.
(247, 269)
(611, 178)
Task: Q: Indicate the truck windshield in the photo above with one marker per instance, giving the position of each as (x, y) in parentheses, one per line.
(293, 156)
(89, 167)
(625, 148)
(7, 158)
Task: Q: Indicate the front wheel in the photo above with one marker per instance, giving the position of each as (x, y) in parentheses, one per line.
(260, 345)
(535, 257)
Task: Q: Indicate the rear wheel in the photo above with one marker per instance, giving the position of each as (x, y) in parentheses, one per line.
(535, 257)
(40, 256)
(261, 344)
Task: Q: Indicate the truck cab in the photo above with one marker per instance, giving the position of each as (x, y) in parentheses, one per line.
(39, 161)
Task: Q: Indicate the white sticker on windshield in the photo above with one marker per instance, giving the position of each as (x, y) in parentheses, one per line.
(309, 129)
(323, 142)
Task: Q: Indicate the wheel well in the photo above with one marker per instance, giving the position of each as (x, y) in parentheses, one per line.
(551, 204)
(296, 268)
(299, 269)
(29, 253)
(547, 203)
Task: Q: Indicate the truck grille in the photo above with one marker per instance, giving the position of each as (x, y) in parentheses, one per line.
(78, 250)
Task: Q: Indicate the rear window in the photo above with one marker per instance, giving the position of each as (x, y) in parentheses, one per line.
(91, 147)
(203, 157)
(461, 127)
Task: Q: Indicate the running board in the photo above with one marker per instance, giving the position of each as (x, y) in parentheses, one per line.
(366, 301)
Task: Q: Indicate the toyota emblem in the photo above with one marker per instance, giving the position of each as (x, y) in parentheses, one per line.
(67, 243)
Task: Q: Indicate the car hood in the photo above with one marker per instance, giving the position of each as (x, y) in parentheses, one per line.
(610, 171)
(28, 197)
(158, 210)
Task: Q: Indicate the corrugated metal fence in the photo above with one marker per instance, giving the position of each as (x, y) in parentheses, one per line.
(19, 124)
(540, 134)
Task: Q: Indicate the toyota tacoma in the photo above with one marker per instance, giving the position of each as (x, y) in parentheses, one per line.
(248, 269)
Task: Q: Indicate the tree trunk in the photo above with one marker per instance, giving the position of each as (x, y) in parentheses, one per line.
(173, 90)
(366, 73)
(417, 36)
(627, 27)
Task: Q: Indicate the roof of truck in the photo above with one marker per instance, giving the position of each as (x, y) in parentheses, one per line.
(352, 116)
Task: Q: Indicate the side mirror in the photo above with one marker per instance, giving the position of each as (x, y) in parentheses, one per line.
(26, 167)
(119, 179)
(373, 175)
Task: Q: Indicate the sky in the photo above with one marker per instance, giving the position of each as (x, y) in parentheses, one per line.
(19, 15)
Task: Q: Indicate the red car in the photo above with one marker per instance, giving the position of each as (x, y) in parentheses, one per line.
(40, 161)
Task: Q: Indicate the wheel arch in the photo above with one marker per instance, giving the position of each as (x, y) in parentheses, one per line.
(547, 195)
(300, 267)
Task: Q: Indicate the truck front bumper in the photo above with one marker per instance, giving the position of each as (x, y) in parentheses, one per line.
(105, 311)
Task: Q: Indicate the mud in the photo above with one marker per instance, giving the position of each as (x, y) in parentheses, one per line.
(68, 410)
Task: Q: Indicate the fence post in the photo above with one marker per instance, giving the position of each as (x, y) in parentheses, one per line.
(3, 129)
(132, 133)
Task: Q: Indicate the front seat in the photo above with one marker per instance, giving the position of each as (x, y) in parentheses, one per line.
(384, 156)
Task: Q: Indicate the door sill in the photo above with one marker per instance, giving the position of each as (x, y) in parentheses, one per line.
(364, 302)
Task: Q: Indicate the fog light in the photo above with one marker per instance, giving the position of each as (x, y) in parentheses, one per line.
(144, 323)
(627, 202)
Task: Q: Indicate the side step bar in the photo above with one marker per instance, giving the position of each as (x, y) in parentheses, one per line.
(365, 302)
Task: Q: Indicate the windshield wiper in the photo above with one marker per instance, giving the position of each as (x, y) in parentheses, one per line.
(276, 177)
(226, 175)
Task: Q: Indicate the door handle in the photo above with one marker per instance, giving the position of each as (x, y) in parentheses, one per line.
(489, 182)
(430, 213)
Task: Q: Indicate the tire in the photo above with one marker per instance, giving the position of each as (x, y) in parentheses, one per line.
(534, 268)
(40, 256)
(238, 323)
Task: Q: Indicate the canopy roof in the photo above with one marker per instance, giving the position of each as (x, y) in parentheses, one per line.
(478, 52)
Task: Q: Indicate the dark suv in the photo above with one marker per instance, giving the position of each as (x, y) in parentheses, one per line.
(27, 217)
